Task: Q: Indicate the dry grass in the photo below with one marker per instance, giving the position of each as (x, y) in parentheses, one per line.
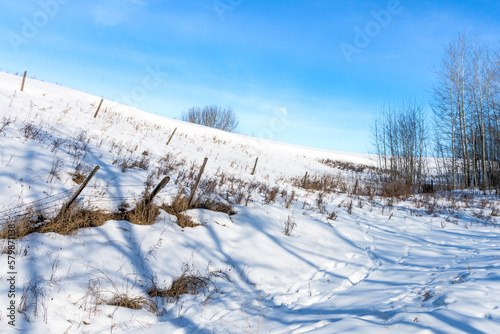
(188, 284)
(289, 224)
(399, 190)
(77, 217)
(270, 194)
(36, 221)
(132, 302)
(141, 215)
(178, 206)
(329, 183)
(212, 205)
(141, 163)
(206, 201)
(345, 165)
(80, 174)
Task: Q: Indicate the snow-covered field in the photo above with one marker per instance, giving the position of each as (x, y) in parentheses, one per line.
(430, 264)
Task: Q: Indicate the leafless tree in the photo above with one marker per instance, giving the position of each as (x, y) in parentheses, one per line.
(399, 137)
(465, 104)
(212, 116)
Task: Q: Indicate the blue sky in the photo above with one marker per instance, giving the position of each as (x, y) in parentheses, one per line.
(293, 71)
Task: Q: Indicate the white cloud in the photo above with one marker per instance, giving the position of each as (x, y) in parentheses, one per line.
(114, 12)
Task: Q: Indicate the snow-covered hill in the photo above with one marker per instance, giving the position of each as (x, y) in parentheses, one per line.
(323, 258)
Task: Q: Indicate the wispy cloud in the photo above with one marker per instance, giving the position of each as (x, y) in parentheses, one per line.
(115, 12)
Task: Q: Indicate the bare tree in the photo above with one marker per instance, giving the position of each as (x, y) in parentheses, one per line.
(212, 116)
(465, 104)
(399, 137)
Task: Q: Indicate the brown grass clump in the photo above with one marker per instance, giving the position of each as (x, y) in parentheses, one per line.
(184, 221)
(177, 207)
(35, 221)
(78, 177)
(141, 215)
(213, 205)
(134, 303)
(188, 284)
(75, 218)
(80, 173)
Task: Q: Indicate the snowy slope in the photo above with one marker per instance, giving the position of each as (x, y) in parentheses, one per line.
(372, 266)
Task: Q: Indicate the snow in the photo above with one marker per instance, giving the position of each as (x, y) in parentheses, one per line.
(377, 269)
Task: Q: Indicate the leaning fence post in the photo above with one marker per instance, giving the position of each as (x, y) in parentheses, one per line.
(196, 184)
(24, 79)
(255, 166)
(75, 195)
(304, 181)
(171, 136)
(355, 188)
(159, 187)
(98, 108)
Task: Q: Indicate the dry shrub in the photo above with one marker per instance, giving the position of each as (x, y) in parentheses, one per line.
(495, 212)
(80, 173)
(270, 194)
(4, 123)
(399, 190)
(368, 190)
(78, 177)
(320, 203)
(288, 198)
(349, 207)
(32, 131)
(208, 187)
(329, 183)
(33, 296)
(333, 216)
(288, 225)
(431, 204)
(132, 163)
(166, 165)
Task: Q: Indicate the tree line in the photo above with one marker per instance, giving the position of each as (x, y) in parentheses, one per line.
(464, 131)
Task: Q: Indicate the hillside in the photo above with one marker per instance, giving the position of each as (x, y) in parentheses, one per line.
(266, 253)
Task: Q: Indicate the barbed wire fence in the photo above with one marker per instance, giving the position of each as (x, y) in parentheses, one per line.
(223, 160)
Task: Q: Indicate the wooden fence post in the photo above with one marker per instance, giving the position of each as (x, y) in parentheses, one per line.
(355, 188)
(171, 136)
(255, 166)
(159, 187)
(24, 79)
(304, 181)
(75, 195)
(196, 184)
(98, 108)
